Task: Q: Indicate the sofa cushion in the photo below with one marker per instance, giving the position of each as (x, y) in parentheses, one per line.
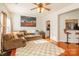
(24, 32)
(20, 34)
(8, 36)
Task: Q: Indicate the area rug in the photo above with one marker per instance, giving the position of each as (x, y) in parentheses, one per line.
(39, 48)
(40, 41)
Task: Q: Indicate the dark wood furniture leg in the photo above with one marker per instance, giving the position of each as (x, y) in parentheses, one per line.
(68, 37)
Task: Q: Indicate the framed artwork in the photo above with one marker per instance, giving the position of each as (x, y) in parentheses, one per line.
(27, 21)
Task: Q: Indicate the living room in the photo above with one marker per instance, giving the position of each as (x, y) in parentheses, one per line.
(21, 18)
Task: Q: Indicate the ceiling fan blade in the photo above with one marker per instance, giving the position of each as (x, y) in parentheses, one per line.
(33, 8)
(35, 3)
(47, 9)
(47, 3)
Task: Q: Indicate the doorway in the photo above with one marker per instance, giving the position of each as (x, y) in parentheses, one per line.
(48, 29)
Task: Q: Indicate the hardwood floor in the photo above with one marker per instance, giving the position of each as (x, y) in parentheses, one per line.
(13, 52)
(70, 49)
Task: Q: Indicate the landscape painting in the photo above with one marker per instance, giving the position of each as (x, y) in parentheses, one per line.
(27, 21)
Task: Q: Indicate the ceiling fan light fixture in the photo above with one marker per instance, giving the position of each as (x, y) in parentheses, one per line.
(41, 7)
(40, 10)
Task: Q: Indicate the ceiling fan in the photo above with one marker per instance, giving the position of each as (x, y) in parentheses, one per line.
(41, 7)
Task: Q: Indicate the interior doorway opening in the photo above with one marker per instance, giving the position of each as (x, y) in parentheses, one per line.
(48, 29)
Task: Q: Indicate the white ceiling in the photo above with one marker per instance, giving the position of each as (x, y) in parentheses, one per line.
(25, 7)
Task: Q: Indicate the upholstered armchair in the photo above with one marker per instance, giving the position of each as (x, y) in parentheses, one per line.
(11, 41)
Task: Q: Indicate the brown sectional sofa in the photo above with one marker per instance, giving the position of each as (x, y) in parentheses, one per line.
(18, 39)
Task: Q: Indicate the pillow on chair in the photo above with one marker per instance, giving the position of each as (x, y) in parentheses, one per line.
(8, 36)
(24, 32)
(20, 34)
